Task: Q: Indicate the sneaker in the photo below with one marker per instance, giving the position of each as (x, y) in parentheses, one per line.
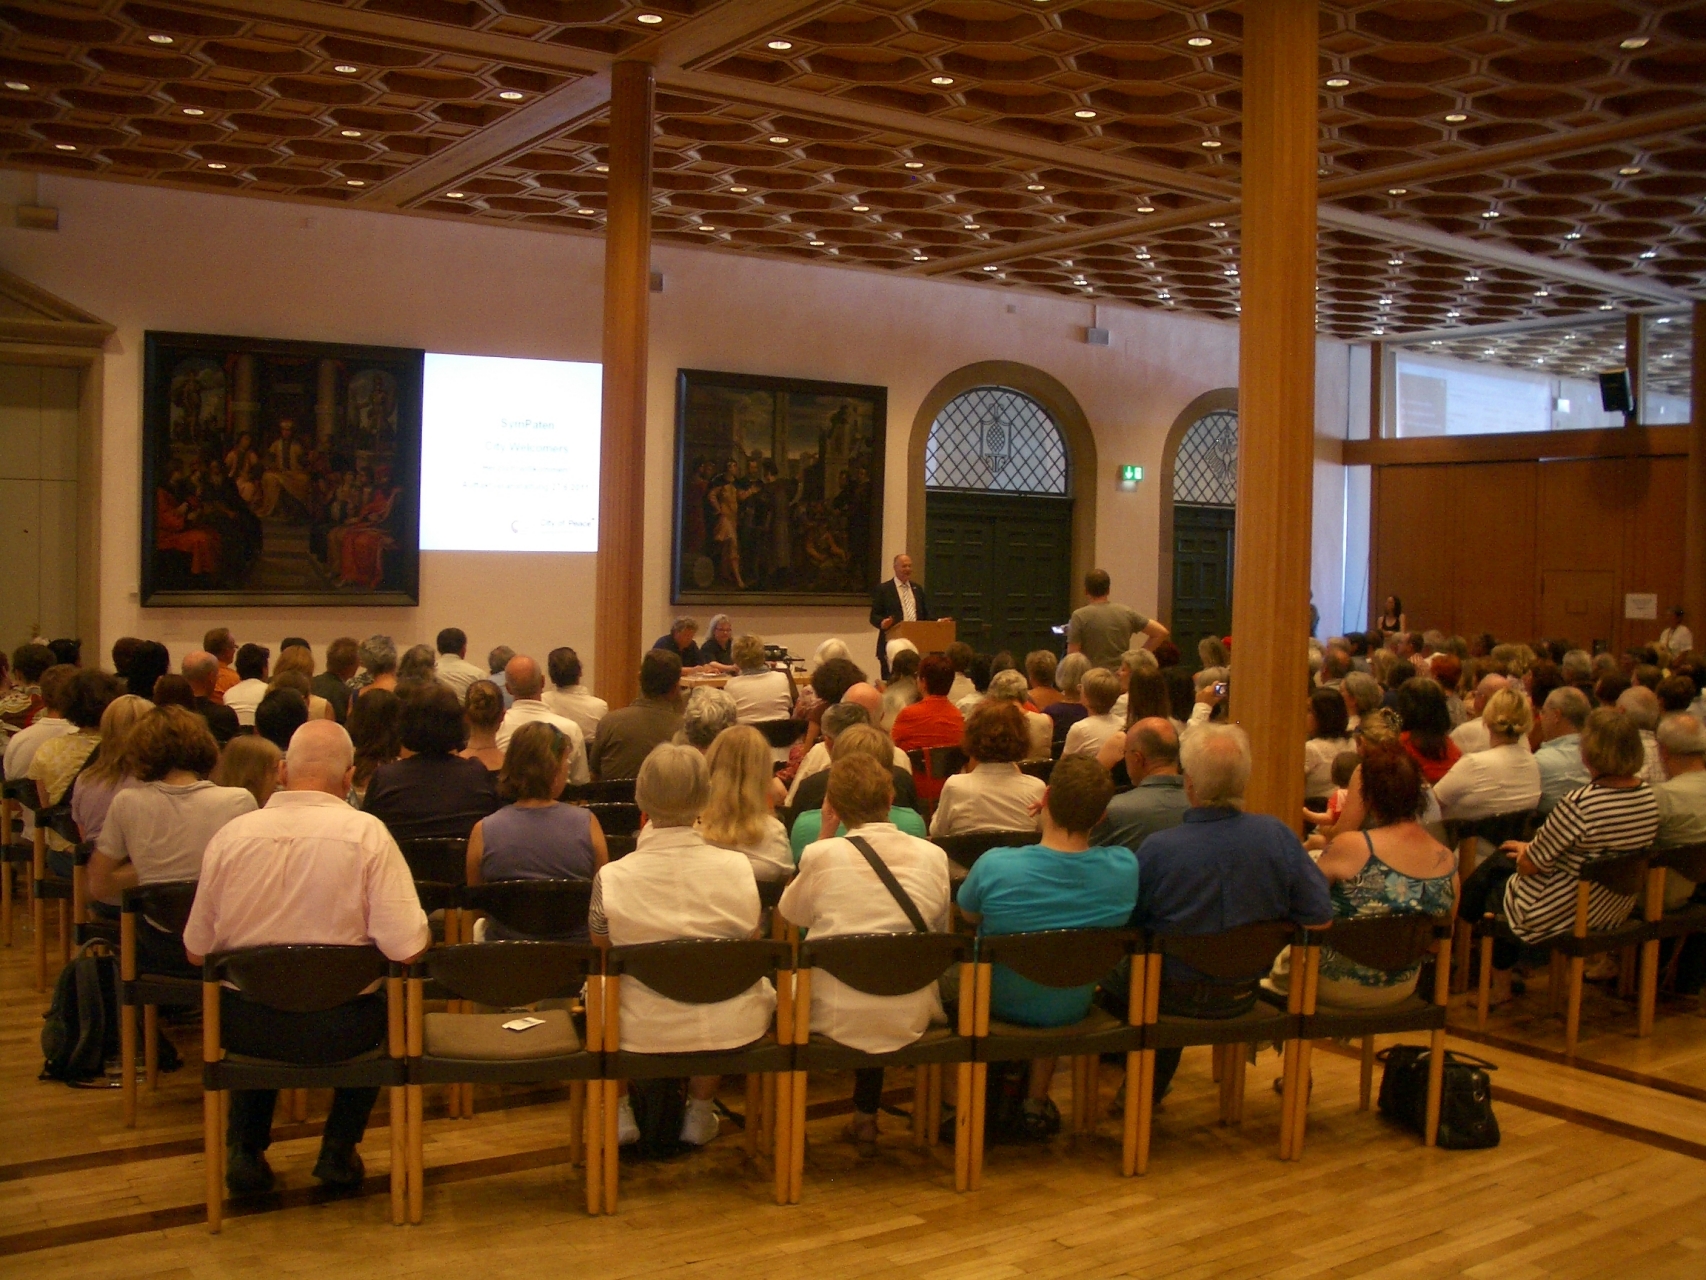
(699, 1125)
(247, 1173)
(627, 1131)
(1040, 1119)
(340, 1167)
(1601, 968)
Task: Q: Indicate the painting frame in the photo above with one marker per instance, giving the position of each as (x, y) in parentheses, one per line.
(343, 501)
(827, 547)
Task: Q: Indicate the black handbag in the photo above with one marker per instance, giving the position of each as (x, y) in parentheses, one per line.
(1466, 1119)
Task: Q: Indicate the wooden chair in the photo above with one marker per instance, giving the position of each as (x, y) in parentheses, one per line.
(781, 734)
(1039, 769)
(1467, 835)
(619, 846)
(616, 819)
(887, 964)
(965, 850)
(166, 906)
(704, 971)
(1390, 943)
(439, 867)
(14, 850)
(607, 791)
(84, 924)
(461, 1048)
(299, 979)
(1622, 873)
(1688, 861)
(1238, 955)
(1059, 958)
(552, 910)
(48, 888)
(945, 762)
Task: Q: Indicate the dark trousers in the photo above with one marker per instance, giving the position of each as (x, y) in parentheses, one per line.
(306, 1039)
(868, 1090)
(161, 952)
(1483, 892)
(1196, 1000)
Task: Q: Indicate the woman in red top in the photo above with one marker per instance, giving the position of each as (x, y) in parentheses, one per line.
(932, 721)
(1427, 727)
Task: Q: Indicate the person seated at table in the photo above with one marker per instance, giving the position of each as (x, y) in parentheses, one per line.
(837, 892)
(717, 648)
(1501, 779)
(535, 836)
(933, 721)
(676, 885)
(680, 642)
(740, 813)
(432, 791)
(760, 693)
(1062, 882)
(992, 795)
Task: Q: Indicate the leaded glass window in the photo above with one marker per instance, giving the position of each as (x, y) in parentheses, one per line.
(995, 439)
(1205, 472)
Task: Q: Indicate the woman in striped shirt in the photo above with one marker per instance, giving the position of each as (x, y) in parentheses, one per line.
(1535, 882)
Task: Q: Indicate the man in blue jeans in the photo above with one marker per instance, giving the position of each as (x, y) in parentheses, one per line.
(1061, 883)
(1218, 869)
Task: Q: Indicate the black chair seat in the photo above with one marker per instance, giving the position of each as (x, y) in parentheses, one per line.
(1690, 918)
(761, 1056)
(1410, 1014)
(162, 991)
(372, 1070)
(609, 791)
(1097, 1032)
(1631, 933)
(938, 1044)
(1264, 1022)
(572, 1066)
(54, 887)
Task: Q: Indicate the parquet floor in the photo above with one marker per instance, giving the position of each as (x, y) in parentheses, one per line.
(1602, 1172)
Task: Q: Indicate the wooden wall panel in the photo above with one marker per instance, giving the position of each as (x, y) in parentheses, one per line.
(1582, 513)
(1416, 522)
(1492, 533)
(1653, 539)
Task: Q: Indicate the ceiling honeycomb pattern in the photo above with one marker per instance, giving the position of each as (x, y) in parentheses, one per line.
(1583, 350)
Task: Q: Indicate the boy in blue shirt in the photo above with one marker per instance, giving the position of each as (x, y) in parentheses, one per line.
(1061, 883)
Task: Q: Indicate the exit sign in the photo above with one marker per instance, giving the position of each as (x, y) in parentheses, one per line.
(1130, 474)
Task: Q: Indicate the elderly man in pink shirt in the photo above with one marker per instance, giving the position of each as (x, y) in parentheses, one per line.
(306, 869)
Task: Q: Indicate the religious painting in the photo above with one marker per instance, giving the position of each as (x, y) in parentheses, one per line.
(778, 490)
(279, 473)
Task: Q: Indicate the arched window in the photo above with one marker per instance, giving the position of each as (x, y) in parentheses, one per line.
(1205, 472)
(994, 439)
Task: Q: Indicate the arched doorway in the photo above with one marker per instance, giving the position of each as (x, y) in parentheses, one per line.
(1200, 523)
(998, 519)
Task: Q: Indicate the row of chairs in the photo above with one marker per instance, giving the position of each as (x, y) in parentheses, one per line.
(69, 896)
(458, 1048)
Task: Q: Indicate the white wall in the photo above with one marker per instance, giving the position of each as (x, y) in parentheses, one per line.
(148, 258)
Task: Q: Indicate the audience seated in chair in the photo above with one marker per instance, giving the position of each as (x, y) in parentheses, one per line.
(1682, 797)
(111, 769)
(253, 661)
(760, 693)
(1156, 801)
(250, 762)
(991, 795)
(812, 780)
(1501, 779)
(281, 713)
(856, 739)
(1559, 755)
(1062, 882)
(838, 892)
(1009, 686)
(675, 886)
(1329, 734)
(452, 668)
(902, 689)
(201, 669)
(708, 712)
(483, 712)
(432, 792)
(568, 696)
(306, 869)
(1068, 709)
(626, 737)
(740, 813)
(375, 730)
(526, 683)
(933, 721)
(1101, 689)
(1471, 735)
(1642, 707)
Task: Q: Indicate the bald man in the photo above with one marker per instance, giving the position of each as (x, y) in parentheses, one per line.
(1471, 735)
(869, 697)
(307, 869)
(526, 684)
(201, 669)
(1156, 801)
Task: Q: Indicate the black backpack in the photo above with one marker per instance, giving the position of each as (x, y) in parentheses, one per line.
(1466, 1119)
(80, 1028)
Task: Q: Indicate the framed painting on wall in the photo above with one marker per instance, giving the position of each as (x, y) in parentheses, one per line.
(279, 473)
(778, 490)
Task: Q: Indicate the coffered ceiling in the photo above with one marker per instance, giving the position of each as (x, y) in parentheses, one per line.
(1481, 161)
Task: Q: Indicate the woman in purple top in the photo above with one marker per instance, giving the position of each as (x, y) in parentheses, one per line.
(109, 770)
(535, 836)
(1069, 679)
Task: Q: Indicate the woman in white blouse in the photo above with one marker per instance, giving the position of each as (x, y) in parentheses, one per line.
(1502, 779)
(740, 814)
(1010, 686)
(1101, 690)
(992, 795)
(837, 892)
(1329, 735)
(760, 694)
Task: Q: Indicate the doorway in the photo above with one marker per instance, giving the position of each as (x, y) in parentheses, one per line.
(39, 417)
(1199, 525)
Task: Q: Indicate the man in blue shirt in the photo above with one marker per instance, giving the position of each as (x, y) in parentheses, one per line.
(1062, 883)
(1219, 869)
(1559, 756)
(1156, 800)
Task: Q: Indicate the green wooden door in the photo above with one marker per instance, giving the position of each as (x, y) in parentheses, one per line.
(1202, 575)
(1000, 565)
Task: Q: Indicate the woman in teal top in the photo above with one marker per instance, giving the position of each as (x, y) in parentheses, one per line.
(1394, 868)
(856, 739)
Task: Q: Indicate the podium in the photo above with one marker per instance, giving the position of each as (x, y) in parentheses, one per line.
(930, 637)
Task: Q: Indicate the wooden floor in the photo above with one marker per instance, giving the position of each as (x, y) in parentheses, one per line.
(1602, 1172)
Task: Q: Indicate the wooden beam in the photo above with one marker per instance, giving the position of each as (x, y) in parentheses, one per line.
(1694, 520)
(1521, 446)
(1376, 390)
(1635, 361)
(722, 29)
(1276, 399)
(1452, 333)
(619, 600)
(1062, 241)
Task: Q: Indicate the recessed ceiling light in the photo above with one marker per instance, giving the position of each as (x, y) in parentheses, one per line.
(739, 191)
(974, 226)
(344, 69)
(354, 182)
(1452, 315)
(1378, 332)
(455, 195)
(63, 146)
(1217, 225)
(1634, 42)
(705, 226)
(1651, 253)
(920, 257)
(1491, 213)
(779, 139)
(861, 208)
(350, 133)
(586, 213)
(992, 268)
(1471, 279)
(511, 95)
(601, 168)
(913, 164)
(1606, 306)
(17, 86)
(1456, 117)
(1146, 208)
(1397, 191)
(650, 19)
(1338, 82)
(1035, 186)
(1542, 293)
(942, 80)
(1211, 142)
(1199, 42)
(160, 39)
(194, 111)
(1085, 114)
(781, 46)
(1395, 262)
(1630, 170)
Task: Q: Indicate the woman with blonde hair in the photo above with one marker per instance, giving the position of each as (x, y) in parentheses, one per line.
(739, 814)
(110, 771)
(251, 762)
(1502, 779)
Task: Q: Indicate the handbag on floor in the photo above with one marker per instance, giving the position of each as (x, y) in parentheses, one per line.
(1466, 1119)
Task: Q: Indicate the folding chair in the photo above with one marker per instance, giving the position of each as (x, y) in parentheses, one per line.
(1516, 825)
(1390, 943)
(1059, 958)
(1244, 954)
(439, 867)
(48, 888)
(458, 1048)
(165, 906)
(703, 971)
(885, 964)
(299, 979)
(608, 791)
(14, 850)
(1688, 861)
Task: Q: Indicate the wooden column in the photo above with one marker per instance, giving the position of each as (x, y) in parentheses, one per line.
(1694, 533)
(1635, 360)
(619, 602)
(1377, 390)
(1276, 400)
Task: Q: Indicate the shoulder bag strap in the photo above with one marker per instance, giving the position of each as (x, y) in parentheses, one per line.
(890, 883)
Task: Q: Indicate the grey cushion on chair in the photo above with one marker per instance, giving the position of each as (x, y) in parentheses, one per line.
(481, 1036)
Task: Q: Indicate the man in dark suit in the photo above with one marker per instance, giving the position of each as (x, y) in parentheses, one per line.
(900, 599)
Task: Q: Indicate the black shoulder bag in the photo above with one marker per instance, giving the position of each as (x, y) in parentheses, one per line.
(899, 894)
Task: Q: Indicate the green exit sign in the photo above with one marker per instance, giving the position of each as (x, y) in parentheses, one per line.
(1130, 474)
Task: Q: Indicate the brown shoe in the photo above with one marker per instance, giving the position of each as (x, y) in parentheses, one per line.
(861, 1131)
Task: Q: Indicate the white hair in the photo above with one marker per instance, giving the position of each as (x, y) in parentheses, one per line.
(830, 648)
(673, 787)
(1139, 660)
(1641, 705)
(900, 645)
(708, 712)
(1009, 686)
(1069, 675)
(1682, 735)
(1216, 760)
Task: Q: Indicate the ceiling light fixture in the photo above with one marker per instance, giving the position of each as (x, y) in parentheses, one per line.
(1211, 143)
(586, 213)
(781, 140)
(942, 80)
(63, 146)
(1338, 82)
(354, 182)
(214, 164)
(1634, 42)
(781, 46)
(913, 164)
(350, 133)
(992, 268)
(344, 69)
(1397, 191)
(1629, 170)
(1607, 306)
(160, 39)
(601, 168)
(861, 208)
(17, 86)
(511, 95)
(920, 257)
(1146, 208)
(705, 226)
(1217, 225)
(739, 191)
(650, 19)
(1456, 117)
(816, 244)
(1491, 213)
(1199, 42)
(1651, 253)
(1572, 235)
(455, 195)
(1085, 114)
(1035, 186)
(194, 111)
(1471, 279)
(974, 226)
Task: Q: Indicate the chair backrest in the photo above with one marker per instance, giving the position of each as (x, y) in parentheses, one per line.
(968, 848)
(436, 860)
(770, 892)
(1516, 825)
(1060, 957)
(616, 818)
(506, 974)
(58, 820)
(619, 846)
(299, 979)
(1234, 956)
(945, 762)
(920, 761)
(23, 790)
(781, 733)
(1688, 861)
(167, 904)
(1622, 873)
(1039, 769)
(609, 791)
(887, 964)
(700, 970)
(1390, 943)
(538, 908)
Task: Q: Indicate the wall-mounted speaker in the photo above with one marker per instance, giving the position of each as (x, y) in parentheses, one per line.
(1615, 395)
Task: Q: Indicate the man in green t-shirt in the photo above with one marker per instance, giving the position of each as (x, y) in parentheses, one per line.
(1101, 631)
